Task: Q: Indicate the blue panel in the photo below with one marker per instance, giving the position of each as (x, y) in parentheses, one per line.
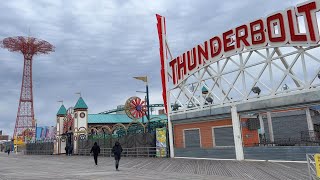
(39, 130)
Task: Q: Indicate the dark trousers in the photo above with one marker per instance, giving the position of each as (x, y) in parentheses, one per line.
(117, 158)
(117, 163)
(95, 157)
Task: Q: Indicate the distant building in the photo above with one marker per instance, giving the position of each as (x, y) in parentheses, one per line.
(3, 137)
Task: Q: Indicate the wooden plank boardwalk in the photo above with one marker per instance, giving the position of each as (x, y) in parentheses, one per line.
(82, 167)
(245, 169)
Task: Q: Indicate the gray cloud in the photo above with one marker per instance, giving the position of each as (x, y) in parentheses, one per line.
(101, 44)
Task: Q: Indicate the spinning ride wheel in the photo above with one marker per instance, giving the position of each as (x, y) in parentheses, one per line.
(135, 108)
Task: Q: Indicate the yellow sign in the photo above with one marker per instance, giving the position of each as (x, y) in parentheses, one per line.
(18, 141)
(317, 161)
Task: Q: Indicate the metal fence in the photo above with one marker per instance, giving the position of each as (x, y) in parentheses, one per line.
(312, 167)
(131, 152)
(126, 141)
(43, 148)
(307, 138)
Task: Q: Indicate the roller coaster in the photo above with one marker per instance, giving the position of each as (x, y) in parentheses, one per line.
(122, 109)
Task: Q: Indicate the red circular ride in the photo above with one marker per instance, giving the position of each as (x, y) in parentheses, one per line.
(135, 108)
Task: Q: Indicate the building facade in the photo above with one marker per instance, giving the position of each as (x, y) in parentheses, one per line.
(75, 124)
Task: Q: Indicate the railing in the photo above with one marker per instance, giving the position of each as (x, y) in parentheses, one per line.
(312, 167)
(131, 152)
(37, 152)
(310, 136)
(307, 138)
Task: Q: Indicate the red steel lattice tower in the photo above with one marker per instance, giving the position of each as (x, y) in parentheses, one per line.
(28, 46)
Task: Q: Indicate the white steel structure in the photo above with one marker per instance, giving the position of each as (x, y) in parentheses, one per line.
(277, 71)
(268, 60)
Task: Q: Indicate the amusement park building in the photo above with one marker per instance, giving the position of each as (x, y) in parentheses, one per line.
(212, 137)
(77, 121)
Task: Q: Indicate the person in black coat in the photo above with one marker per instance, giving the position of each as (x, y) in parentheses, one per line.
(117, 150)
(95, 150)
(67, 150)
(70, 150)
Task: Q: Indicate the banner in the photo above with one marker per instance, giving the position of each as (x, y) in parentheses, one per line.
(161, 142)
(18, 140)
(317, 162)
(162, 58)
(46, 132)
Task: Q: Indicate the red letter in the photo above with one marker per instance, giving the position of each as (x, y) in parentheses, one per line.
(191, 64)
(306, 10)
(204, 53)
(242, 38)
(282, 32)
(173, 67)
(293, 22)
(227, 40)
(215, 52)
(182, 65)
(257, 39)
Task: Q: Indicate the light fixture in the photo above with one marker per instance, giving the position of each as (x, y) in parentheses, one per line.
(204, 90)
(209, 100)
(256, 90)
(285, 87)
(175, 107)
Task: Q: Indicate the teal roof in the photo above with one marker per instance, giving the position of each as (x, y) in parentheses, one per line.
(62, 110)
(117, 118)
(81, 104)
(204, 89)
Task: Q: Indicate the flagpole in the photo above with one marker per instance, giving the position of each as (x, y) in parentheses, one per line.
(164, 48)
(145, 79)
(147, 90)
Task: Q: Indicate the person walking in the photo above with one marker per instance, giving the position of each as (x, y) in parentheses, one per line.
(8, 151)
(67, 150)
(95, 150)
(117, 150)
(70, 150)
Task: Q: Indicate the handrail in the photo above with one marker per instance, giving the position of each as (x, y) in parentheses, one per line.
(131, 152)
(311, 167)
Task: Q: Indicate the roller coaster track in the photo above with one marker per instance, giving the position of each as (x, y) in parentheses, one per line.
(122, 109)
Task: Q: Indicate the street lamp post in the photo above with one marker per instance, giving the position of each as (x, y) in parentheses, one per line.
(145, 79)
(147, 90)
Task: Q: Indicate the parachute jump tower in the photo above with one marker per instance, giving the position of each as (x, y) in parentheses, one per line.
(29, 47)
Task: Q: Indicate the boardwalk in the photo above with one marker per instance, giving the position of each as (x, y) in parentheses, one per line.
(81, 167)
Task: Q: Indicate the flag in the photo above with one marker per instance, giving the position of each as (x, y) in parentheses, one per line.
(142, 78)
(163, 53)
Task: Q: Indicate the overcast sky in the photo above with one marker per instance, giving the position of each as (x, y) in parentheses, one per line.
(102, 44)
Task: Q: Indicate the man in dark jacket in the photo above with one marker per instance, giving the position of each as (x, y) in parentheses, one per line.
(67, 150)
(117, 150)
(96, 150)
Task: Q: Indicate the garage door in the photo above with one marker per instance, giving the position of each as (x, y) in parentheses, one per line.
(223, 136)
(192, 138)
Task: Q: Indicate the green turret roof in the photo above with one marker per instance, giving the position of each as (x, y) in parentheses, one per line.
(81, 104)
(204, 89)
(62, 110)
